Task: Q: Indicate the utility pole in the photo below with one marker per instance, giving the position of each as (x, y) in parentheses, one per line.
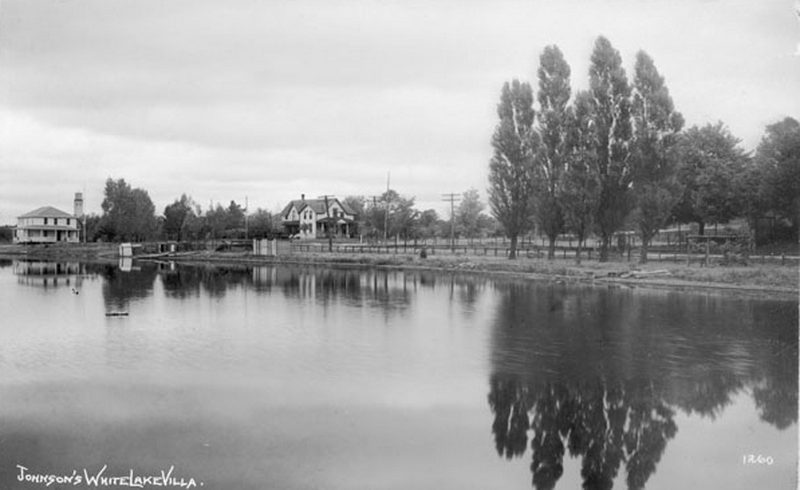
(246, 236)
(386, 215)
(452, 197)
(328, 221)
(372, 222)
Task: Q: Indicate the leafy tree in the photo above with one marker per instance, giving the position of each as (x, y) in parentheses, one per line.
(489, 226)
(193, 225)
(654, 161)
(215, 222)
(6, 234)
(610, 92)
(92, 223)
(581, 185)
(550, 162)
(128, 214)
(234, 218)
(402, 215)
(427, 224)
(468, 214)
(511, 167)
(710, 159)
(356, 204)
(390, 215)
(778, 159)
(175, 216)
(260, 224)
(374, 218)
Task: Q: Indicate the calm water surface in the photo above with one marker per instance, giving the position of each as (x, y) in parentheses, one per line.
(300, 378)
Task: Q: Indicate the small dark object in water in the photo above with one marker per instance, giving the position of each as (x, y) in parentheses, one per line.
(117, 313)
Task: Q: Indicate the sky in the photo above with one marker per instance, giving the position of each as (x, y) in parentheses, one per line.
(268, 100)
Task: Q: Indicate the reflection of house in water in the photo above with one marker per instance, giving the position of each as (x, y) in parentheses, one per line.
(48, 274)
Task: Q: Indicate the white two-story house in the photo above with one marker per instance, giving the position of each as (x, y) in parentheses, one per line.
(312, 218)
(46, 225)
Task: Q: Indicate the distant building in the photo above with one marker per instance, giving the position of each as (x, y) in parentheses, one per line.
(309, 218)
(50, 225)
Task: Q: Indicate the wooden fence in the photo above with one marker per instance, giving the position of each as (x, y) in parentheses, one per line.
(657, 254)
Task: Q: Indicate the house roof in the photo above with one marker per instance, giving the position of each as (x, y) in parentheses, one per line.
(317, 205)
(46, 212)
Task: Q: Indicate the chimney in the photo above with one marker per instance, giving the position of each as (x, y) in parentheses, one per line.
(78, 206)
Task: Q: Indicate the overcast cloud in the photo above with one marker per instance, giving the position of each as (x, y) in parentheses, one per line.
(222, 100)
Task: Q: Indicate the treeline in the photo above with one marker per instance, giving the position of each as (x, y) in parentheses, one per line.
(392, 215)
(130, 215)
(616, 157)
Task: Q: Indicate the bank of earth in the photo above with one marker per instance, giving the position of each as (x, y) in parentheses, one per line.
(768, 280)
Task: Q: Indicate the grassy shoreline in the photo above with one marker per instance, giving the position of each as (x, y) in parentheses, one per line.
(765, 280)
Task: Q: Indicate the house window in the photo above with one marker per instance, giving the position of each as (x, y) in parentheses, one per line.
(67, 221)
(55, 221)
(45, 221)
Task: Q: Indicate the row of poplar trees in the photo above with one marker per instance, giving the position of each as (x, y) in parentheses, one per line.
(585, 164)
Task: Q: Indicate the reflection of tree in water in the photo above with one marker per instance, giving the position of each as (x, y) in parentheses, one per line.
(604, 424)
(217, 281)
(180, 282)
(601, 374)
(388, 290)
(776, 392)
(184, 281)
(119, 288)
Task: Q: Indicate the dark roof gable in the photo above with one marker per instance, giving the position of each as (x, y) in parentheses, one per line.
(317, 205)
(46, 212)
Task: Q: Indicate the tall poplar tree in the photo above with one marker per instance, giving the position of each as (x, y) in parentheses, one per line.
(550, 162)
(581, 186)
(608, 86)
(511, 166)
(654, 158)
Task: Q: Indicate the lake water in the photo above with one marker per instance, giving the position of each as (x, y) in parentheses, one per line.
(301, 377)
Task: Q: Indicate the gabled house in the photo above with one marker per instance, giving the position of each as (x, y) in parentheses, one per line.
(312, 218)
(46, 225)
